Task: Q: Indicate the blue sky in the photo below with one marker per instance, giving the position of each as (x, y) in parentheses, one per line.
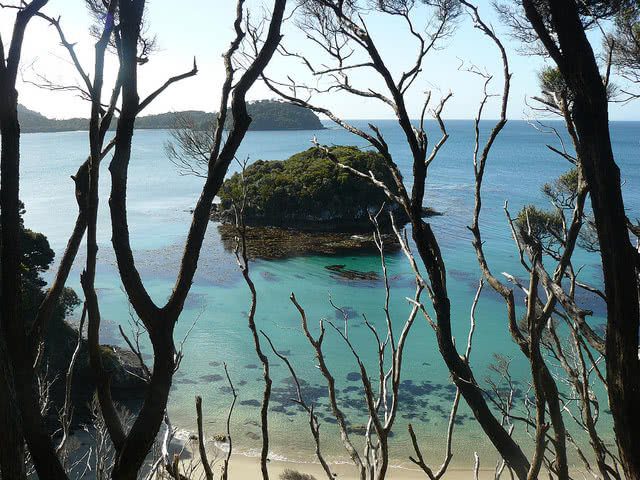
(202, 28)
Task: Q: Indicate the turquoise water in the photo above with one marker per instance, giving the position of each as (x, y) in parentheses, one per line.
(159, 202)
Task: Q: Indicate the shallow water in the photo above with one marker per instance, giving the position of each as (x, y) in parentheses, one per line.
(159, 202)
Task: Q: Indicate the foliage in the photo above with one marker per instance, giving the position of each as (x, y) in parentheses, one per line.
(551, 81)
(591, 12)
(309, 191)
(169, 120)
(564, 189)
(553, 88)
(545, 226)
(31, 121)
(37, 258)
(626, 41)
(289, 474)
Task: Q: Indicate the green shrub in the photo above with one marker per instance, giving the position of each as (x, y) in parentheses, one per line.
(309, 189)
(289, 474)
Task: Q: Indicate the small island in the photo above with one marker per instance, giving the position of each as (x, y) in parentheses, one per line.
(265, 114)
(309, 205)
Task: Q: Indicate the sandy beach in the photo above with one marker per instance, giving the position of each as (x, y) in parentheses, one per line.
(242, 467)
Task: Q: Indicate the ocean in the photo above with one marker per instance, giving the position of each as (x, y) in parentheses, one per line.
(159, 202)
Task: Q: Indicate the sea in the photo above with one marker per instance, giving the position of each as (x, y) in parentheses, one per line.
(213, 329)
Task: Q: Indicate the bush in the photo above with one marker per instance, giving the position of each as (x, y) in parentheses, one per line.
(289, 474)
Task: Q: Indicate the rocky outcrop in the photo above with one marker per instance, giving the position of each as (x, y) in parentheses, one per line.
(274, 243)
(308, 204)
(127, 387)
(310, 192)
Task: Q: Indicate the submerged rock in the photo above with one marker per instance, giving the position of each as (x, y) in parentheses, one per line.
(346, 273)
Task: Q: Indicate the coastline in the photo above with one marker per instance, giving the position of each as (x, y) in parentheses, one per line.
(242, 466)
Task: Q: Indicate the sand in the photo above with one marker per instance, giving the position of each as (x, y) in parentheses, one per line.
(244, 468)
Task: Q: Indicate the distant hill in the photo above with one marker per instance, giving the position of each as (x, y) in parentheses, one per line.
(31, 121)
(278, 115)
(266, 114)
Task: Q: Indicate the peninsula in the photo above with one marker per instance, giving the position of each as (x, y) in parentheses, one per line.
(266, 115)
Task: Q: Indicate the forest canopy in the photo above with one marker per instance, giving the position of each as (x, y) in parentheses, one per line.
(309, 191)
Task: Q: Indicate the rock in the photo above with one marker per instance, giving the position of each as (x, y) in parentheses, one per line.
(342, 272)
(220, 437)
(127, 386)
(430, 212)
(276, 243)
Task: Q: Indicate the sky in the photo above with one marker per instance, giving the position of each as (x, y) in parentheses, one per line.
(203, 29)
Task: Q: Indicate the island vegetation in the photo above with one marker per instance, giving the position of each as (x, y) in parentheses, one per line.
(265, 114)
(311, 203)
(308, 191)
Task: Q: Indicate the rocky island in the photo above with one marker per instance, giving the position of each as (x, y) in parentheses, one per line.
(307, 204)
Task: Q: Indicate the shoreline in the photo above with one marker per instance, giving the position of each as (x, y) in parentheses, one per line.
(243, 466)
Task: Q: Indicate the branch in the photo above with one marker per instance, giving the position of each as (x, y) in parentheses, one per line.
(201, 448)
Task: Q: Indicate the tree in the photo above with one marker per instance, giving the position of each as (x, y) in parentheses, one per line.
(625, 40)
(15, 368)
(119, 27)
(560, 29)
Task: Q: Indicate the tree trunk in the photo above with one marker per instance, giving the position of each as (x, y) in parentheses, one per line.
(12, 451)
(140, 438)
(578, 65)
(34, 428)
(461, 373)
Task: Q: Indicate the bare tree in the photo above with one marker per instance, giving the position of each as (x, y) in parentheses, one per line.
(381, 397)
(339, 26)
(120, 27)
(160, 321)
(242, 257)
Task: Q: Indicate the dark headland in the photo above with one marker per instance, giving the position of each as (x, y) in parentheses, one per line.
(265, 114)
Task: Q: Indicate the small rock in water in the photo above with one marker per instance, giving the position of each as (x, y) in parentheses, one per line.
(350, 312)
(335, 268)
(220, 437)
(268, 276)
(186, 381)
(353, 376)
(348, 274)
